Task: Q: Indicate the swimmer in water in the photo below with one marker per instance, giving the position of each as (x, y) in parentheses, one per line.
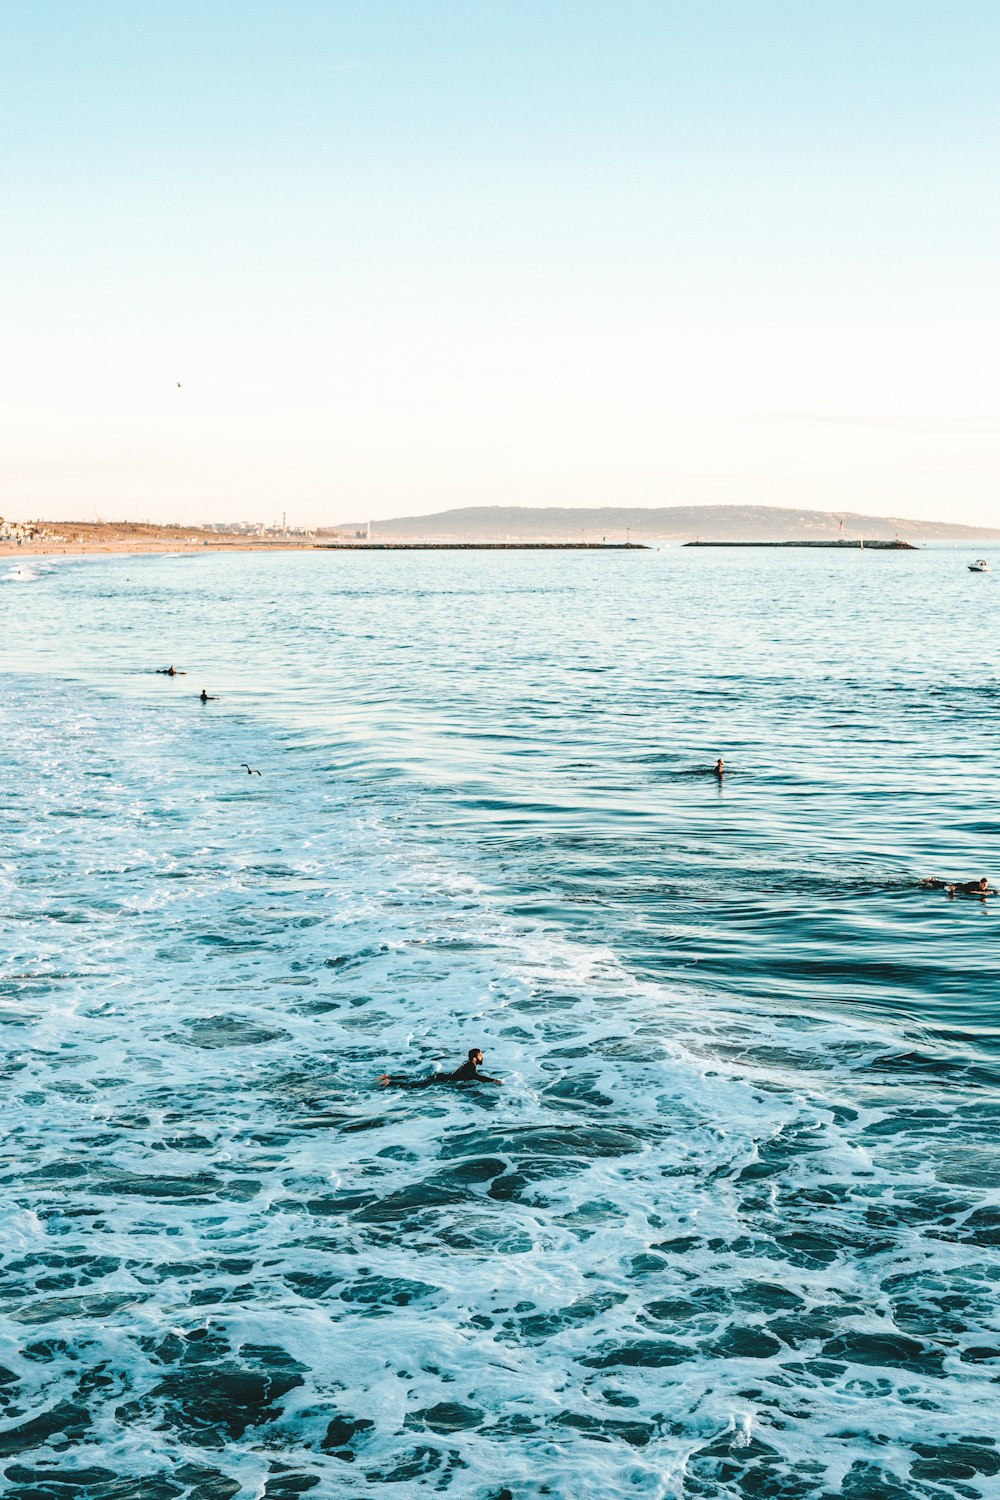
(980, 887)
(720, 768)
(169, 672)
(208, 697)
(467, 1073)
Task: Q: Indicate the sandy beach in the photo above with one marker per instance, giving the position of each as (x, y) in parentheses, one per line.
(219, 544)
(76, 538)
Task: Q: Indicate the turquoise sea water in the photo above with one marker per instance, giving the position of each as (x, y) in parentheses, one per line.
(732, 1225)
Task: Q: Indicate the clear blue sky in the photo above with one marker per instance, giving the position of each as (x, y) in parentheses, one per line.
(408, 254)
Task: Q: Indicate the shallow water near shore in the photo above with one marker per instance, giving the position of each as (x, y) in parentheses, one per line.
(732, 1225)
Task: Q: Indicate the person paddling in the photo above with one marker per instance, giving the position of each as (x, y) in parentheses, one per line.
(979, 887)
(467, 1072)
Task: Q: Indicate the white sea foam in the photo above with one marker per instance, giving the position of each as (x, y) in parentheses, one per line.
(696, 1244)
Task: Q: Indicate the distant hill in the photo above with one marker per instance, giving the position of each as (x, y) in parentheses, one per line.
(672, 523)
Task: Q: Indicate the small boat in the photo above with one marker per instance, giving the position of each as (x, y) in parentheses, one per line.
(980, 566)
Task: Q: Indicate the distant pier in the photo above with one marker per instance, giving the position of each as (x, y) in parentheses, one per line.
(859, 546)
(482, 546)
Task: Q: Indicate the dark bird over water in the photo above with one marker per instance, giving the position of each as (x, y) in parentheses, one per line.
(245, 767)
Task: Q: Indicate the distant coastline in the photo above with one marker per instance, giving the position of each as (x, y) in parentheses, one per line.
(671, 523)
(505, 527)
(82, 538)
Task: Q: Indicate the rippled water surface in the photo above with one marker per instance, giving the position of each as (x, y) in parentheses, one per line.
(731, 1227)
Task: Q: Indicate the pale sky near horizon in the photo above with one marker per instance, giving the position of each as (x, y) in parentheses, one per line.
(404, 255)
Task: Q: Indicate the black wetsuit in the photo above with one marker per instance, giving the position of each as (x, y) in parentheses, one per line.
(467, 1073)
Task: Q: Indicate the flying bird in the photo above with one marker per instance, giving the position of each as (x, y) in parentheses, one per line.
(245, 767)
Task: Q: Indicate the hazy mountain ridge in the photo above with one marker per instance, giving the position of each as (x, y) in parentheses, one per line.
(682, 523)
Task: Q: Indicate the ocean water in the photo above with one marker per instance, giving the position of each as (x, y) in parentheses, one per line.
(731, 1228)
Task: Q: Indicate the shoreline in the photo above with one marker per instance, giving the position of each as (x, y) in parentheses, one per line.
(144, 544)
